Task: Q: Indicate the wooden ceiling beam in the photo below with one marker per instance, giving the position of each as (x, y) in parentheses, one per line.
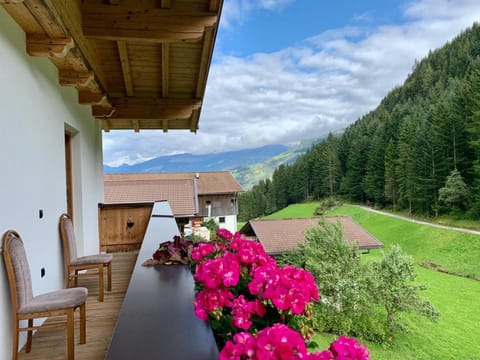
(125, 23)
(11, 2)
(207, 49)
(126, 70)
(215, 5)
(148, 108)
(136, 125)
(106, 125)
(47, 17)
(43, 45)
(194, 120)
(165, 68)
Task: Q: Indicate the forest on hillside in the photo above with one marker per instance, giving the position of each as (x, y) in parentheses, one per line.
(419, 150)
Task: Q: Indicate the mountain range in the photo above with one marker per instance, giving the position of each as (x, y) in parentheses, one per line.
(248, 166)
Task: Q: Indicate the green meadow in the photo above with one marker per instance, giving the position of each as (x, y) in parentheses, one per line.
(457, 333)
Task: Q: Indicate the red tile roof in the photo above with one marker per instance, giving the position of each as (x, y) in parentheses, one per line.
(208, 182)
(180, 193)
(281, 235)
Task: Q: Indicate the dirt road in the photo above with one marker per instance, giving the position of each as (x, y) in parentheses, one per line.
(419, 221)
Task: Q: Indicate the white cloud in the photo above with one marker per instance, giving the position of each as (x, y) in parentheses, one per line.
(321, 85)
(236, 11)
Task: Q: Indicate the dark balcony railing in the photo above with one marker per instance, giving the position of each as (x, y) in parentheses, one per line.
(157, 319)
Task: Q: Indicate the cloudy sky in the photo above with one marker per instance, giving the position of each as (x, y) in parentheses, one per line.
(288, 70)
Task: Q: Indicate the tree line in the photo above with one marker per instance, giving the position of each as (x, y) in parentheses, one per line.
(419, 150)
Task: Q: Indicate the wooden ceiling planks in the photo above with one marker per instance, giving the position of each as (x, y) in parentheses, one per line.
(140, 64)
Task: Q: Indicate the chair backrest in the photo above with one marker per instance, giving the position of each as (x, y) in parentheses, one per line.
(68, 239)
(18, 270)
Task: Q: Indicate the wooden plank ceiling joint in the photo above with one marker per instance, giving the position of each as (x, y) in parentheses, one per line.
(165, 68)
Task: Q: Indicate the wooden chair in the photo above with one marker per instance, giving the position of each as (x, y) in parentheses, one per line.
(74, 264)
(25, 306)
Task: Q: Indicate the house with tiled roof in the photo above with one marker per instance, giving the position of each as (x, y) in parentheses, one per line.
(193, 196)
(279, 236)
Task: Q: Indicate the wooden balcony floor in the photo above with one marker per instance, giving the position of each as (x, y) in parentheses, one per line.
(101, 318)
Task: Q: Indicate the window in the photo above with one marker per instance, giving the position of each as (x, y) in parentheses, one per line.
(221, 219)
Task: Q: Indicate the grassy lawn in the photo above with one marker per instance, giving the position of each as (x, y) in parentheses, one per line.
(456, 335)
(305, 210)
(456, 251)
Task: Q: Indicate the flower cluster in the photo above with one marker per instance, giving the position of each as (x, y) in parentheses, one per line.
(171, 252)
(281, 342)
(254, 305)
(239, 282)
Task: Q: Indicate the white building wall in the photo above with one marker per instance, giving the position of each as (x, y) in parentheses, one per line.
(34, 113)
(230, 222)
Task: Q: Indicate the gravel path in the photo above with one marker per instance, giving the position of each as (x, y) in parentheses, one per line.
(419, 221)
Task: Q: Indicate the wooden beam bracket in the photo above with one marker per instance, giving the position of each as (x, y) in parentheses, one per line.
(11, 2)
(102, 112)
(43, 45)
(78, 79)
(86, 97)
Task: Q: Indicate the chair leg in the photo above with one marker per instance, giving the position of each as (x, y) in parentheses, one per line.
(100, 282)
(67, 278)
(15, 340)
(75, 279)
(28, 347)
(70, 335)
(109, 276)
(83, 320)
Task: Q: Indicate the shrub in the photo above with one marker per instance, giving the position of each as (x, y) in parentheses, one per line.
(354, 294)
(391, 284)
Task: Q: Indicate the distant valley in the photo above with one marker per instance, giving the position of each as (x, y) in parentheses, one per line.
(247, 166)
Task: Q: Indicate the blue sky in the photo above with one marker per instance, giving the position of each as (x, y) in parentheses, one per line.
(288, 70)
(272, 29)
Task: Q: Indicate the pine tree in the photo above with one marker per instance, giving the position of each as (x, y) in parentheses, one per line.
(454, 195)
(391, 186)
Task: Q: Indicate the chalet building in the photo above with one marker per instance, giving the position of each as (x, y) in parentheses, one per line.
(70, 70)
(193, 197)
(279, 236)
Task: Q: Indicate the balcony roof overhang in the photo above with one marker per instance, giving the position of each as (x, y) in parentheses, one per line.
(139, 64)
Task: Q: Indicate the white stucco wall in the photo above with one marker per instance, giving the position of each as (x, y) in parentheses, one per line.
(230, 223)
(34, 112)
